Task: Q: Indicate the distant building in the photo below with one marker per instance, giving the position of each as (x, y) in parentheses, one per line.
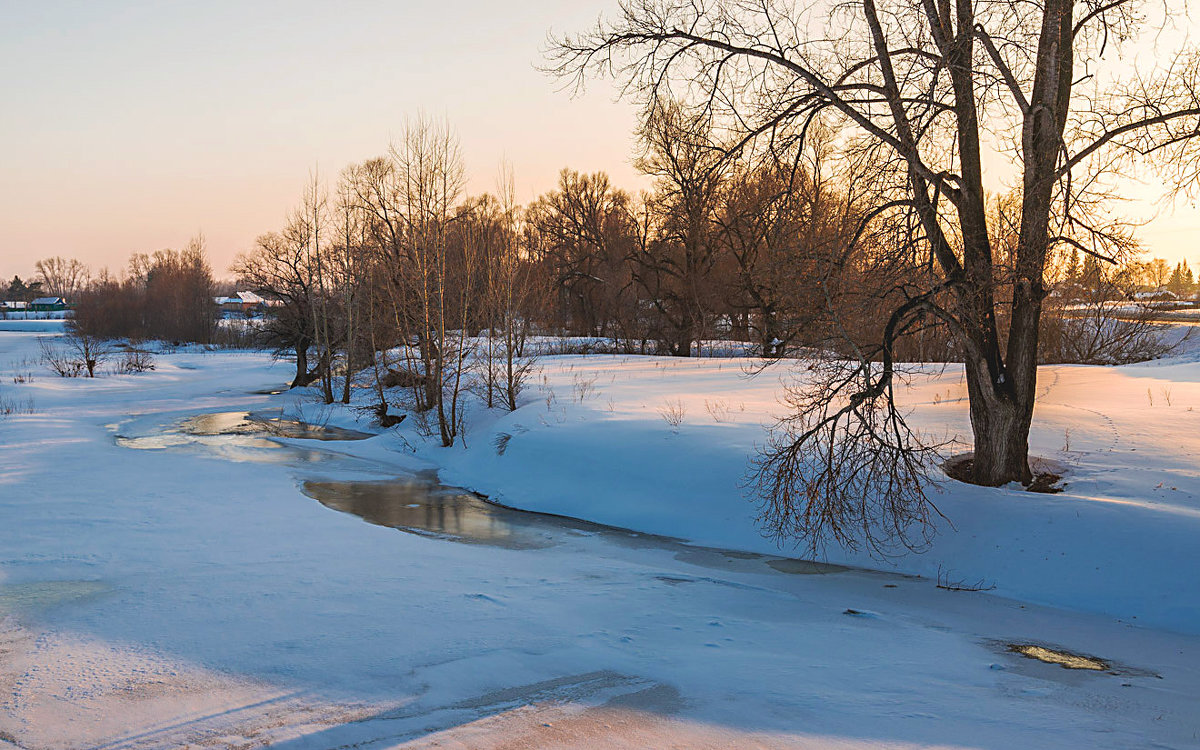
(1155, 295)
(48, 304)
(246, 303)
(14, 305)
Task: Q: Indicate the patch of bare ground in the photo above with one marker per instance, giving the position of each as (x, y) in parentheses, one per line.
(1047, 474)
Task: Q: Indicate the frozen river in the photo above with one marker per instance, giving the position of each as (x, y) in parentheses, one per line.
(172, 579)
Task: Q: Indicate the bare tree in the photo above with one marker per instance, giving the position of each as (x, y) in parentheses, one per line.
(82, 352)
(164, 295)
(927, 87)
(62, 277)
(278, 268)
(781, 223)
(1099, 325)
(675, 268)
(1158, 273)
(347, 260)
(510, 297)
(306, 228)
(427, 163)
(388, 261)
(584, 235)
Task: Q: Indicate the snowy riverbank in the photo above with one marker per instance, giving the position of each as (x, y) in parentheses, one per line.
(591, 442)
(160, 589)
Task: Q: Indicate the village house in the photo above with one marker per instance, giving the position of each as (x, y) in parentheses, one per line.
(245, 303)
(49, 304)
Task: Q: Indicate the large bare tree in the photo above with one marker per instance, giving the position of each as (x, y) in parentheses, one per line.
(941, 92)
(62, 277)
(279, 267)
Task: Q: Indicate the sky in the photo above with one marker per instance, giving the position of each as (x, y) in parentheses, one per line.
(131, 126)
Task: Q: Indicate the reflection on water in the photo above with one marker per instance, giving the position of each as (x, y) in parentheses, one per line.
(419, 505)
(424, 508)
(427, 508)
(252, 423)
(241, 436)
(240, 448)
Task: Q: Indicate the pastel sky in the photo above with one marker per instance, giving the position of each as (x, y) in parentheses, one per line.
(130, 126)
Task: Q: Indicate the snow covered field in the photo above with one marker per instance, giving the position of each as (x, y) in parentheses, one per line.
(163, 589)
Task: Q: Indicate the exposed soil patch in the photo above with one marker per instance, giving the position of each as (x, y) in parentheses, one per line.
(1047, 475)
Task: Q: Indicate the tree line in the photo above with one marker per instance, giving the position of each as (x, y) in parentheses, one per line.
(393, 268)
(812, 192)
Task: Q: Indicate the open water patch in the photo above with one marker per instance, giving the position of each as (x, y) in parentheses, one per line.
(419, 505)
(425, 508)
(265, 424)
(242, 436)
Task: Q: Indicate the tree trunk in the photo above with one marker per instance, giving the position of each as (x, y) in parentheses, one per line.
(684, 336)
(327, 376)
(1000, 419)
(349, 374)
(301, 378)
(770, 334)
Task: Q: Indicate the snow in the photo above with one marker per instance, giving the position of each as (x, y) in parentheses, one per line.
(1126, 436)
(42, 324)
(16, 316)
(187, 593)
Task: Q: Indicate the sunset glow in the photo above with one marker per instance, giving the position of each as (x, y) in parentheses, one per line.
(131, 126)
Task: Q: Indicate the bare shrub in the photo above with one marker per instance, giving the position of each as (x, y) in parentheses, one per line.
(237, 334)
(585, 387)
(80, 353)
(500, 442)
(673, 412)
(88, 350)
(717, 409)
(133, 361)
(10, 405)
(1093, 323)
(422, 424)
(1103, 333)
(23, 371)
(945, 582)
(59, 360)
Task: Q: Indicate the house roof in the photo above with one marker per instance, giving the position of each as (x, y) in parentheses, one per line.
(1156, 294)
(49, 301)
(240, 298)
